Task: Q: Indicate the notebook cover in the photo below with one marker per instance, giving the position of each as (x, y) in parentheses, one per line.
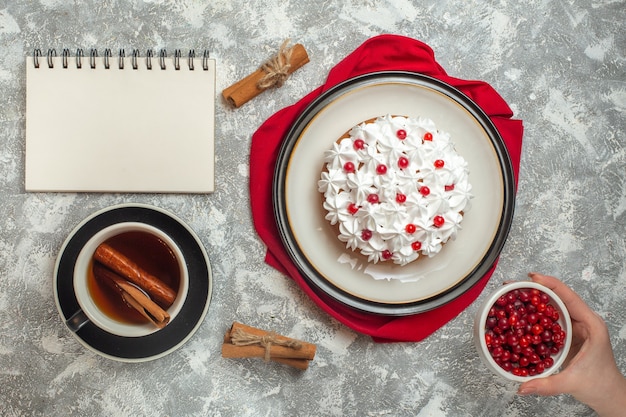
(119, 130)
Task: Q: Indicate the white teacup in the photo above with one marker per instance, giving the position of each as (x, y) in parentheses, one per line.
(89, 309)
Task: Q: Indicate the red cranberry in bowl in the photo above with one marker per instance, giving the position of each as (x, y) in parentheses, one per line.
(523, 331)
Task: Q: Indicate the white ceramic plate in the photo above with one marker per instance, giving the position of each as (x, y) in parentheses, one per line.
(313, 245)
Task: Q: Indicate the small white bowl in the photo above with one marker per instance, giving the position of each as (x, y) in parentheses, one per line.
(480, 325)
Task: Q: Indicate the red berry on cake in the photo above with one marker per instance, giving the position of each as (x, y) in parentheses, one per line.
(400, 198)
(372, 198)
(352, 208)
(449, 187)
(438, 221)
(428, 136)
(439, 163)
(410, 228)
(403, 162)
(416, 246)
(366, 234)
(349, 167)
(387, 254)
(359, 144)
(381, 169)
(401, 134)
(424, 190)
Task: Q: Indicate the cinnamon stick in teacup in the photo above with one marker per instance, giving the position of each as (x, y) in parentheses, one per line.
(160, 292)
(271, 74)
(133, 296)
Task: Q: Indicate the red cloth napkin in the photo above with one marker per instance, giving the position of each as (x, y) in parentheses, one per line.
(380, 53)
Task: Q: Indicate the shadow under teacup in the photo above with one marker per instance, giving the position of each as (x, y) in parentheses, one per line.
(146, 244)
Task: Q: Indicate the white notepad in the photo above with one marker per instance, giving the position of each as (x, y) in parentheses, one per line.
(146, 127)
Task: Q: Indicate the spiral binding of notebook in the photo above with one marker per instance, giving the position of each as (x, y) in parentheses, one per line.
(108, 56)
(154, 116)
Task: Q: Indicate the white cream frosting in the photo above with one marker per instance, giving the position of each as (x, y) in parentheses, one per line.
(373, 187)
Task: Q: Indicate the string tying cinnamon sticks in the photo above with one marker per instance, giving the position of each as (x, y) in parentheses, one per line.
(272, 73)
(242, 341)
(276, 68)
(238, 337)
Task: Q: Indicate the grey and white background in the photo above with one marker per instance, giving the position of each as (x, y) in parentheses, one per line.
(561, 66)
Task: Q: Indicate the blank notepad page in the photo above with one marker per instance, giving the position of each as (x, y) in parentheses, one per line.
(93, 128)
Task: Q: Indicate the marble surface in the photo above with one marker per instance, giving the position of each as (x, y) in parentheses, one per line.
(560, 65)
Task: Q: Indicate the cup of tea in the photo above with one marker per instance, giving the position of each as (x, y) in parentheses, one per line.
(130, 279)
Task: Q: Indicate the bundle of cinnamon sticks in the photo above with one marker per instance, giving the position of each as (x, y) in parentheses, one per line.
(141, 290)
(242, 341)
(271, 74)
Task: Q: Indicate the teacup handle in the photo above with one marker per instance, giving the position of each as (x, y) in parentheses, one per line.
(77, 320)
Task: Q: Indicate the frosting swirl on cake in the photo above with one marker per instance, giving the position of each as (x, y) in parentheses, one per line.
(396, 188)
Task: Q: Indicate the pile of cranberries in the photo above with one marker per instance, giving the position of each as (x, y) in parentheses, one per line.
(522, 332)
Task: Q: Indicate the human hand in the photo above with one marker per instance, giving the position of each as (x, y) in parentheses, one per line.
(590, 373)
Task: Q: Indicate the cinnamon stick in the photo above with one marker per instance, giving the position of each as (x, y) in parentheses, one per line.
(241, 352)
(301, 364)
(160, 292)
(251, 86)
(133, 296)
(263, 344)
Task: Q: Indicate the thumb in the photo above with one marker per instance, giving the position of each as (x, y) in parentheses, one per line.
(552, 385)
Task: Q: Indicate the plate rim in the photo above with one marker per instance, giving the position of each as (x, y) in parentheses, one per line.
(320, 284)
(87, 333)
